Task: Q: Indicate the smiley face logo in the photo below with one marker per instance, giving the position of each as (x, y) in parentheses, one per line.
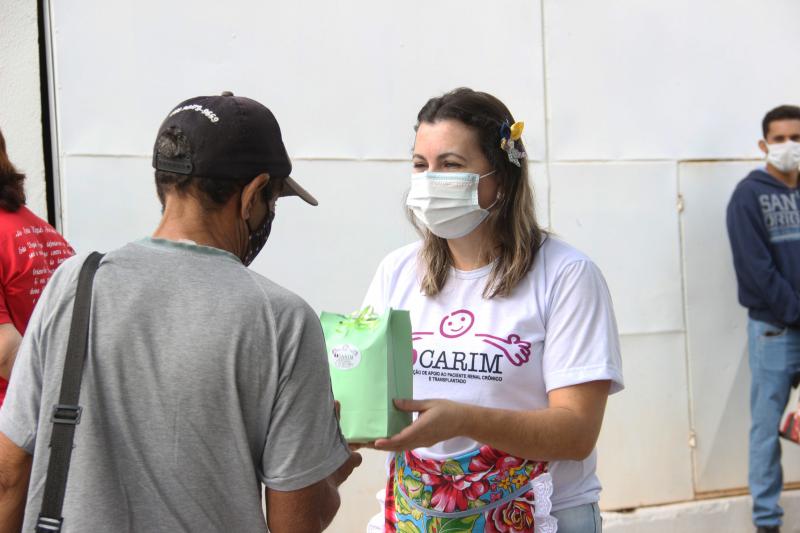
(456, 323)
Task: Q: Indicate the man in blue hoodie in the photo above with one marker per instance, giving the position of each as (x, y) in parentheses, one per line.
(764, 230)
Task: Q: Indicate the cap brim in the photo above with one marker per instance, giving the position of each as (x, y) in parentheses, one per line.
(292, 188)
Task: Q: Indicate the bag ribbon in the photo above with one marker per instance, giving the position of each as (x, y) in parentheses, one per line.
(364, 319)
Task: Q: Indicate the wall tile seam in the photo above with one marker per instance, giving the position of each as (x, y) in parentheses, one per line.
(678, 161)
(690, 400)
(645, 333)
(90, 155)
(559, 162)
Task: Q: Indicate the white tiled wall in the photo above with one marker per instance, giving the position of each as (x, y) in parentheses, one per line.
(679, 79)
(624, 216)
(644, 454)
(617, 97)
(108, 201)
(345, 79)
(329, 253)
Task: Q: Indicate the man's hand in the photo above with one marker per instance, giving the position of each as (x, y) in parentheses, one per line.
(438, 421)
(311, 509)
(344, 471)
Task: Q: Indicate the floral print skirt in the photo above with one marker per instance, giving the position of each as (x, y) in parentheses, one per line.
(484, 491)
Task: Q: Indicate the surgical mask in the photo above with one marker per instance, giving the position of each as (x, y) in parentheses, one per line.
(258, 238)
(784, 156)
(447, 202)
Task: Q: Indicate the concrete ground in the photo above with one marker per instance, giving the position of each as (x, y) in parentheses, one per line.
(723, 515)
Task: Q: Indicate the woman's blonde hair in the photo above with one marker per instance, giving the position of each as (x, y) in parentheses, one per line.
(512, 222)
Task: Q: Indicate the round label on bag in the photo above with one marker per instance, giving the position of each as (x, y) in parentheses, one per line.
(345, 357)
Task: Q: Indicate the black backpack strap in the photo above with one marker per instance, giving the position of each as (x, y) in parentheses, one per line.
(67, 414)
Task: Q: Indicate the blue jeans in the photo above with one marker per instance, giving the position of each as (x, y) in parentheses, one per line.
(774, 362)
(581, 519)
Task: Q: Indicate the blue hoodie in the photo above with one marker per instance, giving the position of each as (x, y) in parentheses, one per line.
(764, 231)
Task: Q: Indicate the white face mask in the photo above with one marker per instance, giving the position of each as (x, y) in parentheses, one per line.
(447, 202)
(784, 156)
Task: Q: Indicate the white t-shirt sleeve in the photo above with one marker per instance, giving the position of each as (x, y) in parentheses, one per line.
(581, 342)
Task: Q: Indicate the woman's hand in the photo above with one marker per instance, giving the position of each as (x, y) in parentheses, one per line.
(438, 421)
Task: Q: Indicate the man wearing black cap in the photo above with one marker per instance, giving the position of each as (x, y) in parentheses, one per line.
(202, 378)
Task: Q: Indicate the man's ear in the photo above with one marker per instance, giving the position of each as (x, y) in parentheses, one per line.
(250, 193)
(763, 145)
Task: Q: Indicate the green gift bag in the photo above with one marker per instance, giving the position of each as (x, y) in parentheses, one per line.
(370, 363)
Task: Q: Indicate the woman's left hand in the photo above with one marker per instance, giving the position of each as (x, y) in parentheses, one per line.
(438, 421)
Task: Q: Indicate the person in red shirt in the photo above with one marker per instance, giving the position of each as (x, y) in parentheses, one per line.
(30, 250)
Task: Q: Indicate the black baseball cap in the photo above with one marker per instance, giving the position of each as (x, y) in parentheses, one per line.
(229, 137)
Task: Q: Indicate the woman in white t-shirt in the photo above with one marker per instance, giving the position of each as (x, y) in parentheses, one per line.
(515, 343)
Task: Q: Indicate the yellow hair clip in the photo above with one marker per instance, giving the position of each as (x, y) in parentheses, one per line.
(516, 130)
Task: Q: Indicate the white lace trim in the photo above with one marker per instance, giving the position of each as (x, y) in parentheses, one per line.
(542, 490)
(546, 524)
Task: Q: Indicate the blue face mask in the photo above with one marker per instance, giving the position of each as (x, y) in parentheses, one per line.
(447, 202)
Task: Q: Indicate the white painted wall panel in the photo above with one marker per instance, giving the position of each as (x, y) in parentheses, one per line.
(643, 452)
(108, 201)
(328, 254)
(20, 106)
(624, 217)
(717, 325)
(663, 80)
(346, 79)
(541, 192)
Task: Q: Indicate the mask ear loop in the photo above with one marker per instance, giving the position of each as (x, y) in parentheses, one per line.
(497, 198)
(493, 203)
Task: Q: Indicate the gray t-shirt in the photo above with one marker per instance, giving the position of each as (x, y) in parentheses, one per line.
(203, 379)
